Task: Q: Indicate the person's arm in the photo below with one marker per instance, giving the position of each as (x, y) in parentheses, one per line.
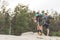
(51, 17)
(34, 17)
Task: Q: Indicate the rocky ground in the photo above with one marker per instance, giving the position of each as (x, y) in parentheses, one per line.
(28, 36)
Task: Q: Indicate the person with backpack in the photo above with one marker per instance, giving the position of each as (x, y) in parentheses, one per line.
(39, 23)
(47, 22)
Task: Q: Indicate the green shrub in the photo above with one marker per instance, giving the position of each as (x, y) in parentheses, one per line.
(56, 33)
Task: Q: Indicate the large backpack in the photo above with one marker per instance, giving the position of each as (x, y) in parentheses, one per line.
(47, 19)
(40, 17)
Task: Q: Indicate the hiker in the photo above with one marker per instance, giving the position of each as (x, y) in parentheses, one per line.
(39, 23)
(47, 22)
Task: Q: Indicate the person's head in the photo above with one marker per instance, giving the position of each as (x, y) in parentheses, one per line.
(33, 11)
(42, 11)
(46, 14)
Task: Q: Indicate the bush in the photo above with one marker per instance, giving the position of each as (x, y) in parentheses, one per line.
(56, 33)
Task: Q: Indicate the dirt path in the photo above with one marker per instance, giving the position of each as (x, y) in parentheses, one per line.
(28, 36)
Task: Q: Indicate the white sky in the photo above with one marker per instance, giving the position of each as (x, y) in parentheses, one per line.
(37, 4)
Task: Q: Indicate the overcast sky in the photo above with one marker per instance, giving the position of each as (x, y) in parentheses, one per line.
(37, 4)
